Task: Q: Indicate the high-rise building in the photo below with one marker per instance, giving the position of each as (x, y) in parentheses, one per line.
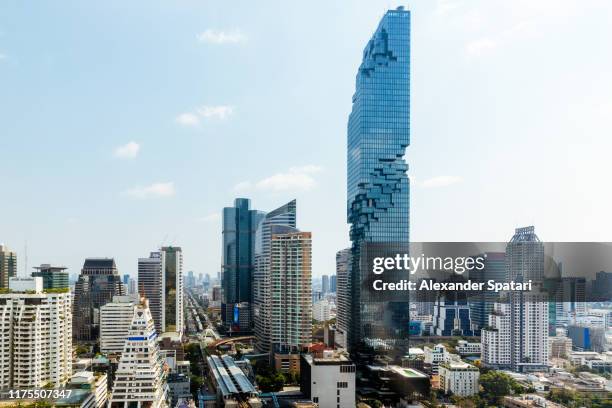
(54, 277)
(160, 280)
(290, 289)
(140, 380)
(481, 304)
(132, 288)
(126, 279)
(36, 345)
(602, 287)
(98, 282)
(284, 215)
(239, 227)
(8, 265)
(517, 334)
(343, 296)
(115, 320)
(190, 280)
(378, 187)
(333, 284)
(325, 284)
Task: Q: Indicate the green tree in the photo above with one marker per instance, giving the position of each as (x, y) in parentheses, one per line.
(496, 385)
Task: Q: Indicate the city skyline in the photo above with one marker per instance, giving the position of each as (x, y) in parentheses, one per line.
(183, 100)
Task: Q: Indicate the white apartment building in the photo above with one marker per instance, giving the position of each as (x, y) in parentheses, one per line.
(322, 310)
(328, 381)
(140, 380)
(435, 356)
(115, 320)
(496, 337)
(459, 378)
(465, 348)
(35, 336)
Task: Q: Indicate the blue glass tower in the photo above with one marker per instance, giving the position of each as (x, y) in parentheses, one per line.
(239, 226)
(378, 187)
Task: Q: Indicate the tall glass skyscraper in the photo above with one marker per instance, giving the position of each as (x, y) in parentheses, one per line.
(239, 227)
(378, 187)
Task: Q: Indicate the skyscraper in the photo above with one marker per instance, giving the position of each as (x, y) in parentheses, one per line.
(284, 215)
(238, 234)
(343, 296)
(481, 305)
(98, 282)
(517, 333)
(290, 289)
(160, 280)
(325, 284)
(36, 345)
(378, 187)
(8, 265)
(140, 377)
(115, 319)
(333, 284)
(54, 277)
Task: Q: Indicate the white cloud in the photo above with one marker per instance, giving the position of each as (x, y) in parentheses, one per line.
(210, 217)
(188, 119)
(480, 46)
(440, 181)
(209, 112)
(127, 151)
(215, 112)
(211, 36)
(296, 179)
(155, 190)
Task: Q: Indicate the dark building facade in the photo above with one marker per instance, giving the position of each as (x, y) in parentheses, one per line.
(238, 237)
(98, 282)
(54, 277)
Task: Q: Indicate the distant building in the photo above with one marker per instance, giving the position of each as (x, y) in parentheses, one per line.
(328, 381)
(8, 265)
(126, 279)
(54, 277)
(132, 287)
(160, 280)
(459, 378)
(452, 316)
(115, 320)
(587, 338)
(325, 284)
(140, 379)
(36, 345)
(333, 283)
(343, 296)
(560, 346)
(98, 283)
(465, 348)
(322, 310)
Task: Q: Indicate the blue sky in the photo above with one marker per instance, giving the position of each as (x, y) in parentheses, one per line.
(127, 125)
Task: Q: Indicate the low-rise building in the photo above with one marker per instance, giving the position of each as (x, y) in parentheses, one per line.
(459, 378)
(528, 401)
(328, 381)
(95, 383)
(465, 348)
(178, 387)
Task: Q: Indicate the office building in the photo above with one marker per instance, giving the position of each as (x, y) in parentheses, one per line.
(36, 345)
(481, 304)
(190, 280)
(333, 284)
(284, 215)
(290, 289)
(602, 287)
(322, 310)
(54, 277)
(378, 187)
(569, 304)
(325, 284)
(98, 282)
(132, 287)
(240, 224)
(452, 315)
(160, 280)
(178, 388)
(587, 338)
(115, 319)
(329, 380)
(126, 279)
(140, 380)
(8, 265)
(459, 378)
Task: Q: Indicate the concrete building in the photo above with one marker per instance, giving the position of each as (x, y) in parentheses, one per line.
(36, 340)
(8, 265)
(178, 387)
(290, 289)
(115, 320)
(322, 310)
(343, 294)
(459, 378)
(435, 356)
(560, 346)
(140, 380)
(160, 280)
(95, 383)
(465, 348)
(328, 381)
